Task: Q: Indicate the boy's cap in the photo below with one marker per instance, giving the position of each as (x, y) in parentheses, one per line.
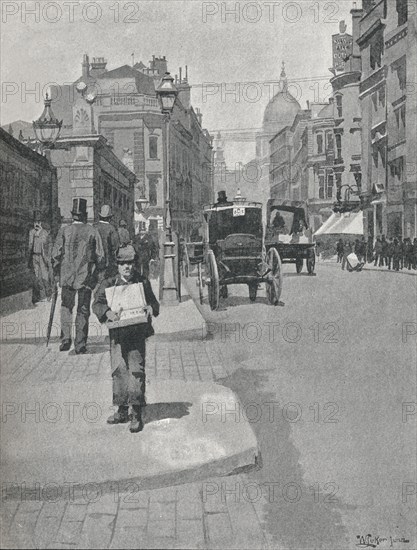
(126, 254)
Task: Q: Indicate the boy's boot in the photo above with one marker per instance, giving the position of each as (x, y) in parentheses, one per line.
(136, 424)
(120, 417)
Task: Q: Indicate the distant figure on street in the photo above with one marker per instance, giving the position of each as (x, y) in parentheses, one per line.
(195, 235)
(415, 253)
(278, 223)
(384, 252)
(127, 343)
(396, 255)
(348, 249)
(357, 249)
(77, 256)
(124, 236)
(39, 259)
(110, 240)
(370, 251)
(378, 253)
(403, 260)
(146, 251)
(340, 248)
(362, 250)
(408, 253)
(389, 253)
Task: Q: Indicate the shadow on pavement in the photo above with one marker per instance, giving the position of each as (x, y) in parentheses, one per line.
(293, 515)
(159, 411)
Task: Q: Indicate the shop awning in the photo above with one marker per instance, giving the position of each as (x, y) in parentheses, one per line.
(350, 223)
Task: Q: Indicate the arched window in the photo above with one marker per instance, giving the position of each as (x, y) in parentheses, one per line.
(319, 138)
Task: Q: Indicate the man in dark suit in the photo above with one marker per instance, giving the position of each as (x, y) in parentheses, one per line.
(124, 236)
(77, 256)
(110, 239)
(39, 259)
(127, 343)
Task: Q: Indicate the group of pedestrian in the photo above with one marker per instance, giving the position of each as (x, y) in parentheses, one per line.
(91, 258)
(393, 253)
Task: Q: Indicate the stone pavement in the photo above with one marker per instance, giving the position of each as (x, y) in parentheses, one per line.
(213, 514)
(124, 514)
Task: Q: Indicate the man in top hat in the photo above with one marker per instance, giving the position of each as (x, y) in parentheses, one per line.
(222, 199)
(110, 239)
(127, 343)
(124, 236)
(39, 259)
(77, 256)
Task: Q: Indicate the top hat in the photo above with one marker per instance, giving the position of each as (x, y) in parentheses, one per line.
(37, 216)
(105, 211)
(126, 254)
(221, 196)
(79, 207)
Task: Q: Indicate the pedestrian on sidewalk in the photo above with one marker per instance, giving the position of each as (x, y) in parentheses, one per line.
(348, 248)
(408, 253)
(396, 255)
(389, 253)
(339, 250)
(39, 260)
(415, 253)
(384, 252)
(110, 240)
(124, 236)
(378, 253)
(127, 343)
(77, 256)
(370, 251)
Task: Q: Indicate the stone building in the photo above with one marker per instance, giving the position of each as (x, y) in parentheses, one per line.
(317, 157)
(126, 112)
(28, 183)
(388, 48)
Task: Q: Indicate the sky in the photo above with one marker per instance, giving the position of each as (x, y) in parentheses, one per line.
(233, 46)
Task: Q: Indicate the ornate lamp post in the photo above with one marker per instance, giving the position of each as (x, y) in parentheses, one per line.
(47, 127)
(167, 94)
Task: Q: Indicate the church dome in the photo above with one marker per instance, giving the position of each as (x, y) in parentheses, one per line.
(281, 109)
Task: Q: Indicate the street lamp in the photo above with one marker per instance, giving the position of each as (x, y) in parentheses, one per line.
(167, 94)
(47, 127)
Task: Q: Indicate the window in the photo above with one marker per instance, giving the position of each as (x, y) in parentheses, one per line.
(153, 147)
(329, 193)
(338, 138)
(381, 96)
(329, 141)
(339, 106)
(114, 197)
(153, 194)
(321, 187)
(376, 50)
(319, 144)
(402, 11)
(374, 98)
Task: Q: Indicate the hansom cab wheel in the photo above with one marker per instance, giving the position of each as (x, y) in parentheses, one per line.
(253, 290)
(200, 282)
(274, 278)
(213, 280)
(299, 265)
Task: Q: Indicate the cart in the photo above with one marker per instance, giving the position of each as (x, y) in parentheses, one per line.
(233, 252)
(288, 232)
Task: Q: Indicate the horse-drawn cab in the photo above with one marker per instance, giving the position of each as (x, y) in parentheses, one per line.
(288, 232)
(234, 252)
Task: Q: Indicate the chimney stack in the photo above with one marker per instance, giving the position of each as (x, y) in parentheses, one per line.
(98, 66)
(186, 73)
(180, 75)
(85, 67)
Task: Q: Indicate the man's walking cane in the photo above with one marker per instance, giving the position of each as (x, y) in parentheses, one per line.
(51, 315)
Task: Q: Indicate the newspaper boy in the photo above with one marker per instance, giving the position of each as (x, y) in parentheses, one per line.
(127, 342)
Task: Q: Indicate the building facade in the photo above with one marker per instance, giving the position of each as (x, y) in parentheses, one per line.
(28, 183)
(127, 113)
(89, 169)
(388, 45)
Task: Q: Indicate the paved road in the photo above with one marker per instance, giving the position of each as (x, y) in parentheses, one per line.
(328, 381)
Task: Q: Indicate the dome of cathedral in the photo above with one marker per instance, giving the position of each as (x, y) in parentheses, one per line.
(281, 109)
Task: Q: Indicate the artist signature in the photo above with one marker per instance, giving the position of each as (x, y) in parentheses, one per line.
(369, 541)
